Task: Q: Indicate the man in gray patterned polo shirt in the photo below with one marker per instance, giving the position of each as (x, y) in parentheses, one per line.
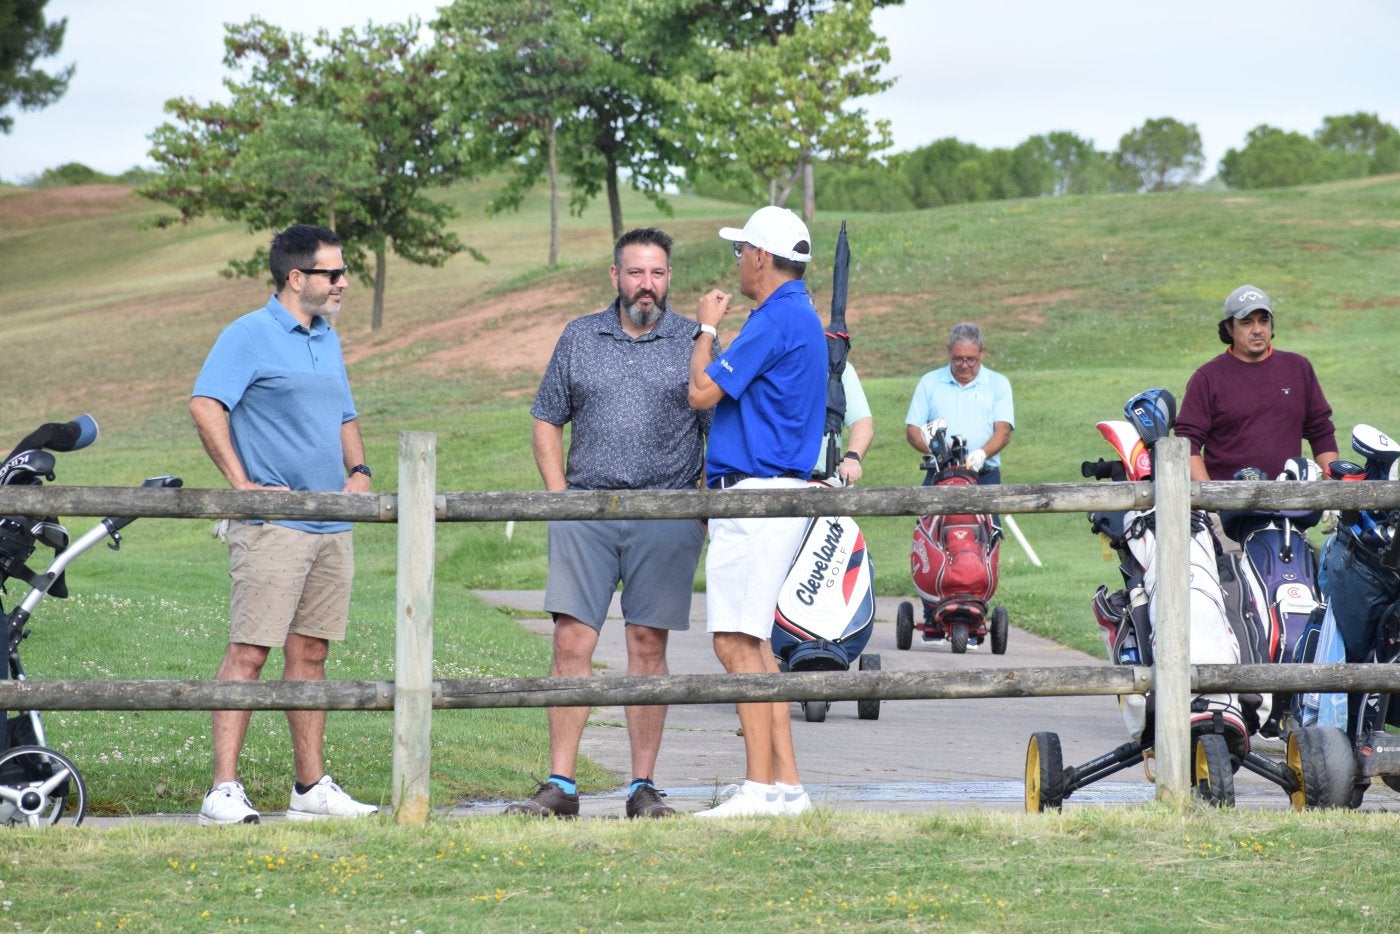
(620, 377)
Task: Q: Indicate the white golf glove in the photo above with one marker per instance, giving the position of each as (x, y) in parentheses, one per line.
(976, 459)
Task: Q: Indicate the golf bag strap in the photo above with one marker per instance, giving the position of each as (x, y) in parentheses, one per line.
(1365, 556)
(19, 571)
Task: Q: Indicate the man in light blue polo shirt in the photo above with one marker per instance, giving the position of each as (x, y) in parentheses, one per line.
(975, 400)
(273, 409)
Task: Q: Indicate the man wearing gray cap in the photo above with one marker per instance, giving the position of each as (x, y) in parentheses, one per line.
(1253, 406)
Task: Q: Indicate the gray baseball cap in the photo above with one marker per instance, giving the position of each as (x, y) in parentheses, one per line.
(1245, 300)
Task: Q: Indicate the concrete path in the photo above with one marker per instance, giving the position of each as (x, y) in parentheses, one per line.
(918, 756)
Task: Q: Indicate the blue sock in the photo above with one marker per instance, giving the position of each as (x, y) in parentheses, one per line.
(568, 784)
(637, 783)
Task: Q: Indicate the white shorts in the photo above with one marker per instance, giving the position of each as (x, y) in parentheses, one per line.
(746, 565)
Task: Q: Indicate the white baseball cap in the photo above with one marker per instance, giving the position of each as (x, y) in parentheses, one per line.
(777, 230)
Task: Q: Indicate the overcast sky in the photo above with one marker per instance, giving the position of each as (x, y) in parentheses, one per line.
(990, 72)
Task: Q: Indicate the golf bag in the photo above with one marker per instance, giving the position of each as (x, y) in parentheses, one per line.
(954, 558)
(1361, 577)
(1277, 555)
(826, 609)
(1226, 622)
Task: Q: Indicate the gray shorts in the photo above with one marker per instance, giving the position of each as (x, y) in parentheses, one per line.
(653, 559)
(285, 581)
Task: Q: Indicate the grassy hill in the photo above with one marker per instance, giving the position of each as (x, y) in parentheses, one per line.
(1084, 300)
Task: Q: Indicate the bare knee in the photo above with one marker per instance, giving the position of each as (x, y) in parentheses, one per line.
(574, 643)
(739, 652)
(242, 662)
(305, 657)
(646, 650)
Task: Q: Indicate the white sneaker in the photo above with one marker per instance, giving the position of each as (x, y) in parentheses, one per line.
(794, 805)
(326, 799)
(749, 800)
(227, 804)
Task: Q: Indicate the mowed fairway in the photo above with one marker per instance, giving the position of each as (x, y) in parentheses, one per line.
(1085, 301)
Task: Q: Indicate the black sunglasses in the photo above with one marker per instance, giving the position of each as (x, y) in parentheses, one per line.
(333, 275)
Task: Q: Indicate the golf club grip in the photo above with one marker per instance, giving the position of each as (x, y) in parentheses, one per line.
(1100, 469)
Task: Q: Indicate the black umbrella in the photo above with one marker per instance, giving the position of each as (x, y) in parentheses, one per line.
(838, 346)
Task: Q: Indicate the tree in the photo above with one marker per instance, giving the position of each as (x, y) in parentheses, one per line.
(26, 37)
(240, 160)
(777, 108)
(1273, 158)
(1165, 153)
(300, 163)
(582, 75)
(1061, 163)
(523, 75)
(865, 186)
(946, 171)
(1361, 141)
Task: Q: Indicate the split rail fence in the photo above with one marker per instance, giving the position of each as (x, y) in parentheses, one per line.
(417, 507)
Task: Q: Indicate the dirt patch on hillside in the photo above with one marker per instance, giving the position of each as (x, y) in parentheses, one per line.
(509, 332)
(1356, 304)
(518, 331)
(62, 204)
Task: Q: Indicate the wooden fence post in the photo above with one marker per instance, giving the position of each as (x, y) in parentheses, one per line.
(1172, 653)
(413, 653)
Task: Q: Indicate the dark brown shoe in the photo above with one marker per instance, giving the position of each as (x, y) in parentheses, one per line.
(549, 800)
(646, 802)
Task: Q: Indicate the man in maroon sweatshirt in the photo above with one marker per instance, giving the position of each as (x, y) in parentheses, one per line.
(1253, 406)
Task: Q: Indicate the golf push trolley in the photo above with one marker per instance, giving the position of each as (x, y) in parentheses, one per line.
(39, 785)
(954, 562)
(1233, 620)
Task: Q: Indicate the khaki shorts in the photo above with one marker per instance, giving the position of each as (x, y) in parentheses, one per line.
(286, 581)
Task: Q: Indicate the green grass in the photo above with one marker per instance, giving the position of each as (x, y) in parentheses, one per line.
(1085, 301)
(1102, 869)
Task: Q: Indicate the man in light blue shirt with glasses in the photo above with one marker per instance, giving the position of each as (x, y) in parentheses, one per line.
(975, 400)
(273, 409)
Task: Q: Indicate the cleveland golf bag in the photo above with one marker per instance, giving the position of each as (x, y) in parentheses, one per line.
(826, 609)
(39, 785)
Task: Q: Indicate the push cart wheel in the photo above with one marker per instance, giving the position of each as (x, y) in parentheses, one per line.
(1212, 773)
(959, 637)
(904, 626)
(1000, 629)
(869, 709)
(1324, 768)
(37, 785)
(815, 710)
(1045, 773)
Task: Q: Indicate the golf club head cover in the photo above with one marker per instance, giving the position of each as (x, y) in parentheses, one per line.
(1153, 413)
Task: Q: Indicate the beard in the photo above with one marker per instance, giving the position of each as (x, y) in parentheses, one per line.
(642, 317)
(320, 304)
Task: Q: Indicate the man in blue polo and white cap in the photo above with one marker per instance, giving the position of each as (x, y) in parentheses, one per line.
(768, 390)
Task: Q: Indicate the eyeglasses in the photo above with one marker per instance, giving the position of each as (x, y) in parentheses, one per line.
(964, 361)
(332, 275)
(738, 249)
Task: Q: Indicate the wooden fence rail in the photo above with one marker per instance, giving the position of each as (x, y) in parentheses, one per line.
(539, 505)
(417, 508)
(1061, 681)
